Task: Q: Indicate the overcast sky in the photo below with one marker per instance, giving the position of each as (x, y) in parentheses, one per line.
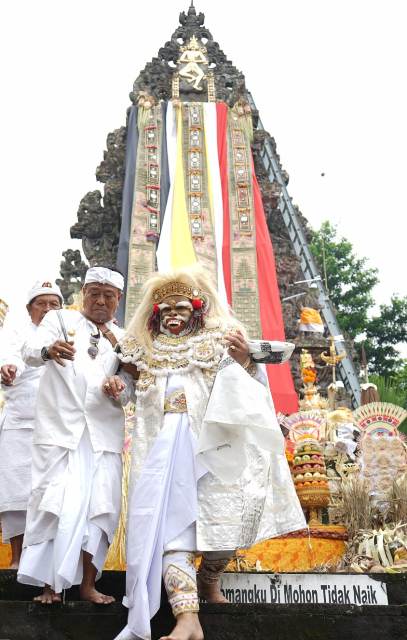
(328, 77)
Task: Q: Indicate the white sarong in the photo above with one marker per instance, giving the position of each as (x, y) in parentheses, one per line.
(163, 507)
(15, 469)
(12, 524)
(15, 480)
(74, 507)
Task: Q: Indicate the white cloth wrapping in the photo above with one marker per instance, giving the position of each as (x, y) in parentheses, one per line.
(74, 506)
(260, 504)
(345, 439)
(211, 141)
(233, 420)
(170, 489)
(163, 506)
(76, 475)
(16, 429)
(102, 275)
(12, 524)
(38, 289)
(71, 397)
(15, 469)
(312, 327)
(20, 397)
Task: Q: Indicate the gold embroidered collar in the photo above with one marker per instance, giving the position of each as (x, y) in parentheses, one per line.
(174, 353)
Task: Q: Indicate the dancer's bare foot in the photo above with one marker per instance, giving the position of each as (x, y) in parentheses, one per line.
(90, 594)
(48, 596)
(210, 591)
(188, 627)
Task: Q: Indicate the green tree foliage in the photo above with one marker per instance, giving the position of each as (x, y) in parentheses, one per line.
(383, 333)
(350, 280)
(400, 379)
(390, 390)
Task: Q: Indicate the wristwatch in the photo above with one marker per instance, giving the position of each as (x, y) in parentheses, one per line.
(45, 354)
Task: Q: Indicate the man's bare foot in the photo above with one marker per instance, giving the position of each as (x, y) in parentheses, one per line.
(48, 596)
(90, 594)
(210, 591)
(188, 627)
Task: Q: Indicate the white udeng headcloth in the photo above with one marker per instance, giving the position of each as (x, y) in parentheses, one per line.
(44, 289)
(102, 275)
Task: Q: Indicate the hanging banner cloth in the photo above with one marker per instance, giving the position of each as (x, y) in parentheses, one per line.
(271, 315)
(248, 257)
(193, 223)
(127, 203)
(146, 210)
(182, 248)
(213, 215)
(243, 255)
(215, 192)
(164, 244)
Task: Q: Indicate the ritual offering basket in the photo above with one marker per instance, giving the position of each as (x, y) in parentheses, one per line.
(310, 479)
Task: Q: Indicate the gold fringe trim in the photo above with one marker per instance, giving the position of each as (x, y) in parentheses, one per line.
(116, 558)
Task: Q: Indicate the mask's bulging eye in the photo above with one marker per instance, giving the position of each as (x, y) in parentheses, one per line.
(184, 305)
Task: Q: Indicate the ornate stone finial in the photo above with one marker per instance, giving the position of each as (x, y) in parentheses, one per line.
(227, 84)
(192, 19)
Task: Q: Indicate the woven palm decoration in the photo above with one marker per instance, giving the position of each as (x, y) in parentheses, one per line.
(379, 418)
(382, 452)
(310, 423)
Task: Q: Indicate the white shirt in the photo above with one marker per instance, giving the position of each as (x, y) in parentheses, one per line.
(20, 397)
(71, 397)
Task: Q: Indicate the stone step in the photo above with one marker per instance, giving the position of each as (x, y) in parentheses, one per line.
(111, 582)
(21, 620)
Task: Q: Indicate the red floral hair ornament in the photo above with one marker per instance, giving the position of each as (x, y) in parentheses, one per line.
(154, 320)
(197, 303)
(197, 321)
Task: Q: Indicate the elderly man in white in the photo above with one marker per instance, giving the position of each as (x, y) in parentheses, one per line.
(20, 384)
(75, 500)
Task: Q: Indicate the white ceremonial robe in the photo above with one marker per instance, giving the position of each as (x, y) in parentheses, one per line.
(78, 438)
(173, 497)
(71, 397)
(260, 504)
(16, 429)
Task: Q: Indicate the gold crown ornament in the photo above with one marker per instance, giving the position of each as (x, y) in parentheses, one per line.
(176, 289)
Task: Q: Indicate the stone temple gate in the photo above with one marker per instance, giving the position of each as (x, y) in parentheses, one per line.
(191, 69)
